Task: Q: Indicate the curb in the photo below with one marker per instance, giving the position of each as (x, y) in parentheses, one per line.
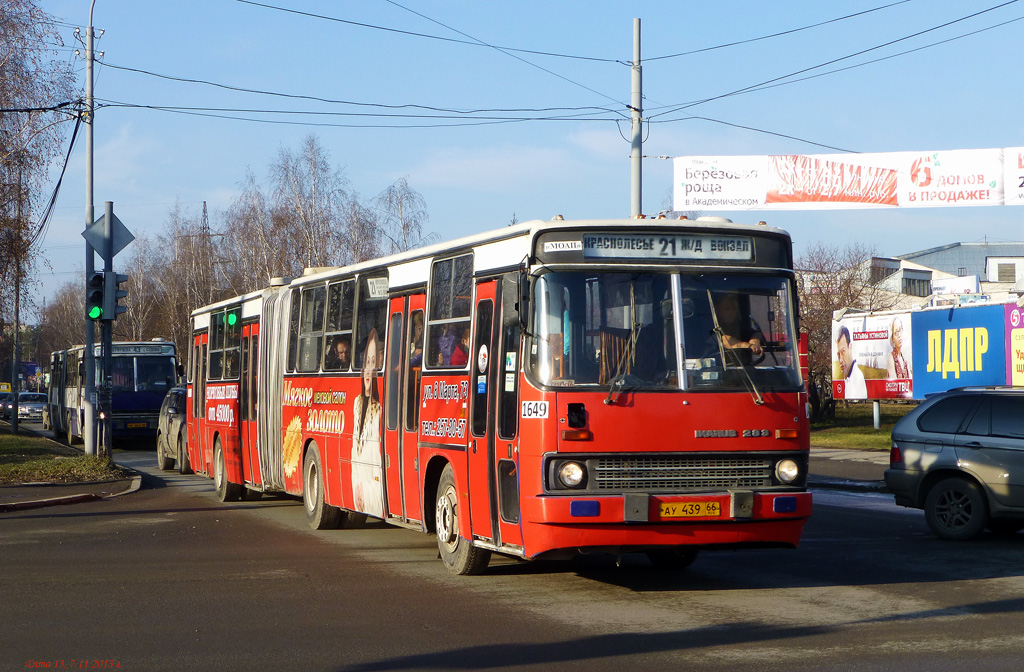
(133, 486)
(829, 483)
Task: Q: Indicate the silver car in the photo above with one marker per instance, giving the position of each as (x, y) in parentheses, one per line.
(31, 405)
(960, 457)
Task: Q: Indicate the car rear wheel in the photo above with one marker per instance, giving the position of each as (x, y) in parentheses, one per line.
(955, 509)
(163, 461)
(183, 464)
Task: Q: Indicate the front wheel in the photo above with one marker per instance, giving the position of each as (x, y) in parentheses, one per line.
(226, 490)
(956, 510)
(319, 514)
(457, 553)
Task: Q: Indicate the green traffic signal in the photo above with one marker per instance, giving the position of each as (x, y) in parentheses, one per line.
(94, 296)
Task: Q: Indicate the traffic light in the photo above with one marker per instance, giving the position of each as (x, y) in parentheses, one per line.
(113, 294)
(94, 287)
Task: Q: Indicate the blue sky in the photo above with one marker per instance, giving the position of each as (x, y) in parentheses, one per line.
(962, 94)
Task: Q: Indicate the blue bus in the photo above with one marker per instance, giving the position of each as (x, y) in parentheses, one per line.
(142, 373)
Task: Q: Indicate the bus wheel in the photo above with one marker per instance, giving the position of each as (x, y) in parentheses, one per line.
(457, 554)
(672, 558)
(163, 461)
(183, 465)
(226, 491)
(319, 514)
(69, 438)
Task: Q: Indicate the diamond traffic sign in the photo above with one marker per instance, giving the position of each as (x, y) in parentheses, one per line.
(94, 236)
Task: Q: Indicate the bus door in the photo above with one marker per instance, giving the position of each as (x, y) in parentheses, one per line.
(247, 406)
(483, 501)
(506, 367)
(197, 440)
(401, 407)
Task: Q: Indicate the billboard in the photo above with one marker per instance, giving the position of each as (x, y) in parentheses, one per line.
(959, 177)
(1014, 326)
(872, 357)
(913, 354)
(958, 346)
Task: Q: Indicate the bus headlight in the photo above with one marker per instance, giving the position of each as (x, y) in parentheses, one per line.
(572, 474)
(787, 471)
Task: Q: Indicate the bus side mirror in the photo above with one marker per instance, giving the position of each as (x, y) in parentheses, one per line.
(523, 305)
(81, 369)
(180, 370)
(687, 307)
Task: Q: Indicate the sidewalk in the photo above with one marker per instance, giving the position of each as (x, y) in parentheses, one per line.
(844, 469)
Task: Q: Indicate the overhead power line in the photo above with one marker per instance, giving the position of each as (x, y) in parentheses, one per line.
(472, 43)
(747, 89)
(333, 101)
(773, 35)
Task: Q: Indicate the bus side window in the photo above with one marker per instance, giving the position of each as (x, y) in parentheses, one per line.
(311, 328)
(371, 314)
(293, 331)
(338, 334)
(451, 293)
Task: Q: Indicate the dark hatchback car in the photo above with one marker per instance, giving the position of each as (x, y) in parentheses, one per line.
(960, 457)
(171, 432)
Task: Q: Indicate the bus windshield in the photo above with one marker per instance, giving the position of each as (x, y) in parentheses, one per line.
(646, 330)
(142, 374)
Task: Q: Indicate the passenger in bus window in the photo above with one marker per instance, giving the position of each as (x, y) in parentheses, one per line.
(366, 483)
(337, 355)
(416, 342)
(737, 332)
(445, 345)
(461, 353)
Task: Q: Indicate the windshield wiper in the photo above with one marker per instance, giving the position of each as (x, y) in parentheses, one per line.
(748, 382)
(628, 353)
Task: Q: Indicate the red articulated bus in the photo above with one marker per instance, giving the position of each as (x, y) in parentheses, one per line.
(541, 390)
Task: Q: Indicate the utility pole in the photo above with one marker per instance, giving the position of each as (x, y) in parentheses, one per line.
(89, 430)
(19, 250)
(636, 118)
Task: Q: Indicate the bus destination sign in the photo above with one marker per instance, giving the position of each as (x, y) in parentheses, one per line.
(690, 247)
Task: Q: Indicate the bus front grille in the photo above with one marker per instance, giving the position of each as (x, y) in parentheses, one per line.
(679, 473)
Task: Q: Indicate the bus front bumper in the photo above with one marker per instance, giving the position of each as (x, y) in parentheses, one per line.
(642, 520)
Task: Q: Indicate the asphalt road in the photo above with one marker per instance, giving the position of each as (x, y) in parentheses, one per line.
(170, 579)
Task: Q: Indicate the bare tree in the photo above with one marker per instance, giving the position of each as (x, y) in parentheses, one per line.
(144, 295)
(830, 278)
(257, 243)
(403, 212)
(311, 195)
(61, 319)
(362, 236)
(36, 94)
